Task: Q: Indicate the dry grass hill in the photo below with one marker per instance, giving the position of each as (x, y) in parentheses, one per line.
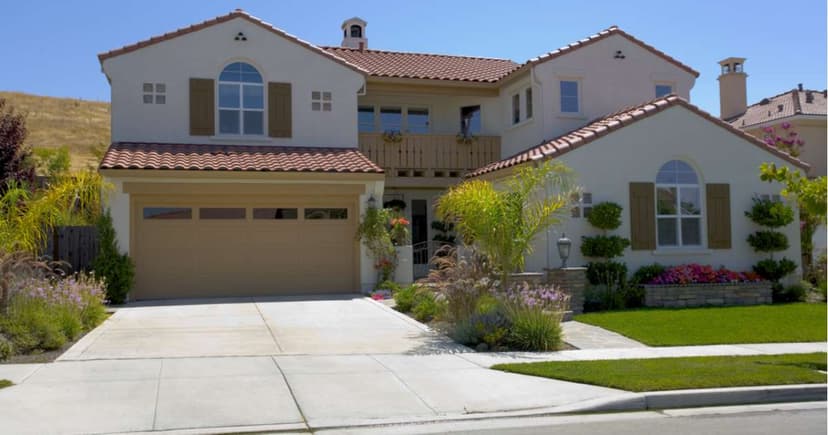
(81, 125)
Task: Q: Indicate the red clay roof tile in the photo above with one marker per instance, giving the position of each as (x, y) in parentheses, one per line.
(210, 157)
(784, 105)
(606, 125)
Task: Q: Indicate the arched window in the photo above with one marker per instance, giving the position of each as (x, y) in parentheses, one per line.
(678, 205)
(241, 100)
(356, 31)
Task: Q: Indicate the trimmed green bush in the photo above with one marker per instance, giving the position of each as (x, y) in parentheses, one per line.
(603, 246)
(605, 216)
(116, 269)
(768, 241)
(645, 274)
(770, 213)
(773, 270)
(610, 272)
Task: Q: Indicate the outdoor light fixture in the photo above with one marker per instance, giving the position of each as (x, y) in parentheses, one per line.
(372, 202)
(564, 244)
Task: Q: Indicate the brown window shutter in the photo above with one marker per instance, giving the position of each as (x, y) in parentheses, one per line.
(718, 216)
(642, 216)
(279, 117)
(202, 107)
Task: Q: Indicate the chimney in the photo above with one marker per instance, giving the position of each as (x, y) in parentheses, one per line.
(732, 88)
(353, 33)
(799, 86)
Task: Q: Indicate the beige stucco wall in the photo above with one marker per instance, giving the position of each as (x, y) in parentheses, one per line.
(203, 54)
(606, 85)
(813, 131)
(635, 154)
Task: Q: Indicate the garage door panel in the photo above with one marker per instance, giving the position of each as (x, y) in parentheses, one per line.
(244, 257)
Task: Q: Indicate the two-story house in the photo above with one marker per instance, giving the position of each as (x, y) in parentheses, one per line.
(243, 157)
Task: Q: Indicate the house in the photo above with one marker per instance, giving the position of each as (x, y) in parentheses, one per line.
(243, 156)
(799, 110)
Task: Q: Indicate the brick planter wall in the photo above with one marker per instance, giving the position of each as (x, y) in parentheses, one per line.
(572, 281)
(697, 295)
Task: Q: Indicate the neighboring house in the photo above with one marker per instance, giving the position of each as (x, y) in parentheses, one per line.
(243, 157)
(804, 110)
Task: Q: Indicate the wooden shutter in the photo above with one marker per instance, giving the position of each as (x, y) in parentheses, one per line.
(279, 117)
(718, 216)
(202, 107)
(642, 216)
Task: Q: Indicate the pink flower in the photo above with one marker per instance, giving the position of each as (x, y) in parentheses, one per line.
(786, 125)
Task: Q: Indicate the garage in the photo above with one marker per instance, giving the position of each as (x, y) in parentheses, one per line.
(243, 245)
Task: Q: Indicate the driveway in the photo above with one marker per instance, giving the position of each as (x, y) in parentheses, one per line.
(335, 325)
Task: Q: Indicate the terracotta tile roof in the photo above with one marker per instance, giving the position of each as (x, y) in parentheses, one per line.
(238, 13)
(380, 63)
(784, 105)
(209, 157)
(616, 121)
(606, 33)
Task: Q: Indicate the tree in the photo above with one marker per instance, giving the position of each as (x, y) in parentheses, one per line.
(503, 222)
(771, 215)
(54, 163)
(15, 159)
(116, 269)
(606, 216)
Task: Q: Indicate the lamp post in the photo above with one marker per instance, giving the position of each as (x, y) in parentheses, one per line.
(564, 245)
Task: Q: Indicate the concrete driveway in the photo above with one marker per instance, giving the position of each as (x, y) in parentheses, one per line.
(335, 325)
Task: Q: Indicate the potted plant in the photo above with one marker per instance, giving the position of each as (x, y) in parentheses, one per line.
(401, 239)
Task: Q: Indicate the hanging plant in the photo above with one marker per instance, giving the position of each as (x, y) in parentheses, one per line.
(465, 139)
(392, 136)
(374, 233)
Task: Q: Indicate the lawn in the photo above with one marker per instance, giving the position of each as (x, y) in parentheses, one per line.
(661, 374)
(719, 325)
(5, 383)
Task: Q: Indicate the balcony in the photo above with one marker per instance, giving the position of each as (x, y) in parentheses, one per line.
(428, 160)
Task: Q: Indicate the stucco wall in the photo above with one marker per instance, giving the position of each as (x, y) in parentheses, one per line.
(813, 132)
(606, 85)
(203, 54)
(635, 153)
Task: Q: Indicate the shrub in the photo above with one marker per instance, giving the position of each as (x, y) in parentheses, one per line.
(116, 269)
(404, 298)
(792, 293)
(768, 241)
(462, 280)
(426, 307)
(603, 246)
(646, 274)
(389, 285)
(535, 330)
(773, 270)
(490, 327)
(6, 348)
(601, 273)
(770, 213)
(605, 216)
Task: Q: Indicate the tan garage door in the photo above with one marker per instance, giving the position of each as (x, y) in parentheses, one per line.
(198, 246)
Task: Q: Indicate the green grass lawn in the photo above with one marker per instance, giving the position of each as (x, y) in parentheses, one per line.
(719, 325)
(660, 374)
(5, 383)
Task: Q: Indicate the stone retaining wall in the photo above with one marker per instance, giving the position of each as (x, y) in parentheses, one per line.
(572, 281)
(697, 295)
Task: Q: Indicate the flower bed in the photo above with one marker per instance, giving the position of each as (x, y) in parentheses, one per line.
(694, 285)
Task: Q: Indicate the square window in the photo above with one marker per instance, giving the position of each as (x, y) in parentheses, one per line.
(326, 107)
(667, 232)
(391, 118)
(147, 98)
(417, 120)
(690, 201)
(569, 96)
(365, 115)
(691, 231)
(470, 120)
(160, 99)
(253, 97)
(316, 106)
(147, 87)
(326, 96)
(316, 95)
(229, 122)
(160, 88)
(666, 202)
(253, 122)
(229, 96)
(662, 90)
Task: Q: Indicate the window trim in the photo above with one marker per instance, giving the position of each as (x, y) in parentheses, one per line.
(321, 101)
(380, 128)
(680, 246)
(241, 134)
(154, 93)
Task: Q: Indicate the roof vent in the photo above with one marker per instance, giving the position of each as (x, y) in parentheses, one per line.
(764, 102)
(779, 107)
(353, 33)
(799, 86)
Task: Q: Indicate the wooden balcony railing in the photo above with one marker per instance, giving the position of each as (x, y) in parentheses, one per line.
(429, 155)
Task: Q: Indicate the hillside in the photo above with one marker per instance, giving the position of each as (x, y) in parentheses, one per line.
(81, 125)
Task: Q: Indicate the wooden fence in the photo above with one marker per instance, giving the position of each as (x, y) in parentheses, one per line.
(76, 246)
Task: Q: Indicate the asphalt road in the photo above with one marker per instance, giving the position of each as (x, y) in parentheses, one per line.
(787, 419)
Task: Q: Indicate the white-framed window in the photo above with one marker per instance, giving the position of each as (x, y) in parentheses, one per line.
(241, 100)
(583, 207)
(527, 95)
(678, 206)
(321, 101)
(416, 120)
(662, 89)
(366, 118)
(155, 93)
(769, 197)
(570, 101)
(470, 123)
(391, 119)
(515, 108)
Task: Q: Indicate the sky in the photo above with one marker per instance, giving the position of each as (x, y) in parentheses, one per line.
(51, 46)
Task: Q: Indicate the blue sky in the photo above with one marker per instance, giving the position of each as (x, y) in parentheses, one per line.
(50, 47)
